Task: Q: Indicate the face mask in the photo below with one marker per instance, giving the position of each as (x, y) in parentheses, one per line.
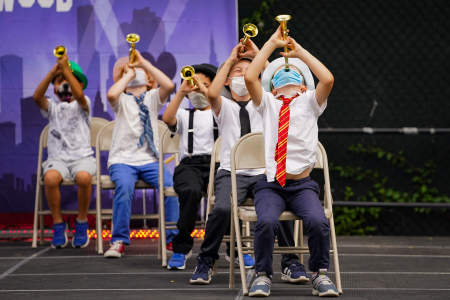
(238, 86)
(64, 92)
(198, 100)
(139, 79)
(288, 92)
(283, 78)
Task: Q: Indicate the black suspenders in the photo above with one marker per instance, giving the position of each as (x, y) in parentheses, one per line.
(191, 131)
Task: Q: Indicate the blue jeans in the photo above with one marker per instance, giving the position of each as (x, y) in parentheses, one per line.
(125, 177)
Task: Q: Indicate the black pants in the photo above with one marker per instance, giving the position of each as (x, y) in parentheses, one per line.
(190, 181)
(219, 219)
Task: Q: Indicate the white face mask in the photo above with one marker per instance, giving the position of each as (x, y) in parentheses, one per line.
(288, 91)
(238, 86)
(198, 100)
(139, 79)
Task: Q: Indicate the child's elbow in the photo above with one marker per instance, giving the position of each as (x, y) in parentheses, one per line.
(170, 87)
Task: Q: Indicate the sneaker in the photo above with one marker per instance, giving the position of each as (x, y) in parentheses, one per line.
(249, 262)
(260, 286)
(202, 273)
(178, 261)
(169, 247)
(60, 239)
(295, 273)
(117, 250)
(81, 238)
(323, 286)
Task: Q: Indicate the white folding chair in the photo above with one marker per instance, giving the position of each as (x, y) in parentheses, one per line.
(39, 212)
(248, 153)
(104, 182)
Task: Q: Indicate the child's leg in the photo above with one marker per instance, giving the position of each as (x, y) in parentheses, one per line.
(54, 172)
(83, 170)
(269, 205)
(149, 173)
(124, 177)
(188, 184)
(304, 202)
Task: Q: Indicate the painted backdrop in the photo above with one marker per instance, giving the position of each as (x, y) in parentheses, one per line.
(173, 33)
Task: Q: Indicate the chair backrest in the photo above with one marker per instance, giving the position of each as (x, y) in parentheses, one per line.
(320, 152)
(215, 158)
(96, 125)
(169, 142)
(104, 137)
(248, 152)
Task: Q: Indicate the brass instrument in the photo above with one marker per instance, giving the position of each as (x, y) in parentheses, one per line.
(250, 30)
(60, 51)
(187, 73)
(283, 20)
(132, 39)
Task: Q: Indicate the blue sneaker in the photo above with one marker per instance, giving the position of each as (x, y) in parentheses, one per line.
(249, 262)
(60, 239)
(295, 273)
(202, 273)
(260, 286)
(323, 286)
(178, 261)
(81, 237)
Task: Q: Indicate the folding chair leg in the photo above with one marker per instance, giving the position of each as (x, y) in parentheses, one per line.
(36, 215)
(300, 239)
(98, 222)
(241, 256)
(162, 233)
(335, 255)
(41, 219)
(232, 253)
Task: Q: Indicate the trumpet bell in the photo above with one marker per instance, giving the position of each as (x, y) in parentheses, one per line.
(283, 18)
(59, 51)
(133, 38)
(250, 30)
(187, 73)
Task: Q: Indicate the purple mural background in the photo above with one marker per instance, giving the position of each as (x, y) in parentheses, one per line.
(173, 34)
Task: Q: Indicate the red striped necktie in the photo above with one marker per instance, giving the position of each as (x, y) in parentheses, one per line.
(281, 149)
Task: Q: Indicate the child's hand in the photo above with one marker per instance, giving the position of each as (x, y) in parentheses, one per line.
(277, 39)
(295, 49)
(129, 71)
(138, 60)
(63, 62)
(200, 86)
(234, 55)
(250, 49)
(186, 87)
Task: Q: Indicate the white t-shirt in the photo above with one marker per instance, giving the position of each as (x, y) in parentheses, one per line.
(230, 131)
(69, 133)
(203, 132)
(128, 129)
(302, 135)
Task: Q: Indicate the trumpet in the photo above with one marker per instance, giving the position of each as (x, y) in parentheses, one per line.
(250, 30)
(282, 19)
(60, 51)
(187, 73)
(132, 39)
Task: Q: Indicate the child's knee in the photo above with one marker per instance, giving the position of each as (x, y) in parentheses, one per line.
(317, 225)
(266, 223)
(52, 178)
(83, 179)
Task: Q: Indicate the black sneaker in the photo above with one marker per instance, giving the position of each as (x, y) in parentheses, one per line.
(295, 273)
(203, 272)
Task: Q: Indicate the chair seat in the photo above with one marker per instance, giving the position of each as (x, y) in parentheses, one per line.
(67, 181)
(248, 213)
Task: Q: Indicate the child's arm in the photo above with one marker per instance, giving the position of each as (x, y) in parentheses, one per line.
(255, 68)
(75, 85)
(39, 93)
(119, 86)
(166, 85)
(325, 77)
(215, 89)
(169, 116)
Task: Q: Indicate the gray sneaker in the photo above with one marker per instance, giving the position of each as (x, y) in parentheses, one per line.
(323, 286)
(260, 286)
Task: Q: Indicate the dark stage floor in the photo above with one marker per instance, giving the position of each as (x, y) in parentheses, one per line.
(372, 268)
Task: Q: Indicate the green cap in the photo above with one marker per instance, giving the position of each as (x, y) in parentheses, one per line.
(78, 73)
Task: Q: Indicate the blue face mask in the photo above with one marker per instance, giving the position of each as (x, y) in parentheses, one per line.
(283, 77)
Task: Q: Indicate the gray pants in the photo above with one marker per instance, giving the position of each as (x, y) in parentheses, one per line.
(219, 219)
